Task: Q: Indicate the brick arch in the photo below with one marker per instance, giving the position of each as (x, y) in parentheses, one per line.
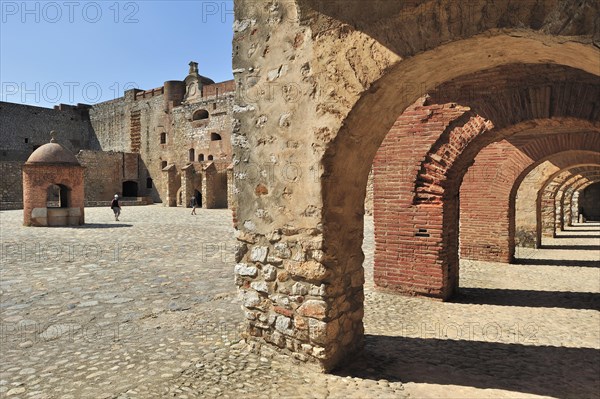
(567, 198)
(416, 244)
(577, 174)
(409, 236)
(574, 196)
(427, 243)
(452, 135)
(524, 193)
(488, 233)
(487, 103)
(546, 200)
(430, 183)
(425, 72)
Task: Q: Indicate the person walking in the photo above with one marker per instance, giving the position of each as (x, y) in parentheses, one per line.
(114, 205)
(193, 204)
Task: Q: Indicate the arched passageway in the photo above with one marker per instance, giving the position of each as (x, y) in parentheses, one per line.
(300, 263)
(590, 202)
(525, 191)
(549, 212)
(130, 189)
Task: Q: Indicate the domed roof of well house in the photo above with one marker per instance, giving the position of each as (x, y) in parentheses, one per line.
(52, 153)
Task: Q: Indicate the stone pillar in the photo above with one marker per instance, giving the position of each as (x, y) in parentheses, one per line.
(187, 184)
(416, 251)
(559, 211)
(297, 295)
(546, 211)
(210, 182)
(172, 185)
(574, 208)
(230, 189)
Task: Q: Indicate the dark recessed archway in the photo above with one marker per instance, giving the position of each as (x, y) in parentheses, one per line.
(57, 196)
(130, 189)
(200, 115)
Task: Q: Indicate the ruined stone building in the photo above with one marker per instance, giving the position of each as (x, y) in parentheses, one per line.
(480, 119)
(161, 145)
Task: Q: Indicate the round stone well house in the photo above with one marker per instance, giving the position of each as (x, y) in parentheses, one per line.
(53, 191)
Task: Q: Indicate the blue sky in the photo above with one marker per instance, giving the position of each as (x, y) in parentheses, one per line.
(91, 51)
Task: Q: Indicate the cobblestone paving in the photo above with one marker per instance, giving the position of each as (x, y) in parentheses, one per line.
(146, 308)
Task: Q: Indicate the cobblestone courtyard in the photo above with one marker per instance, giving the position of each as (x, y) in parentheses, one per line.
(146, 308)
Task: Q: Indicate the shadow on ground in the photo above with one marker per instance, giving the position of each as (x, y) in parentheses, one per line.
(554, 262)
(565, 372)
(103, 225)
(527, 298)
(574, 247)
(576, 236)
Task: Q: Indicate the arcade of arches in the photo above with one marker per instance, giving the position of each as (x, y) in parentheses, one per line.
(481, 123)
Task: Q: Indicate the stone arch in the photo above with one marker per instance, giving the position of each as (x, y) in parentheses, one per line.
(573, 199)
(200, 114)
(530, 182)
(343, 193)
(563, 207)
(592, 185)
(546, 201)
(198, 196)
(488, 233)
(342, 208)
(325, 216)
(578, 175)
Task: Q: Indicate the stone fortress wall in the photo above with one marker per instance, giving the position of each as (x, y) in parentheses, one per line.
(23, 128)
(162, 145)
